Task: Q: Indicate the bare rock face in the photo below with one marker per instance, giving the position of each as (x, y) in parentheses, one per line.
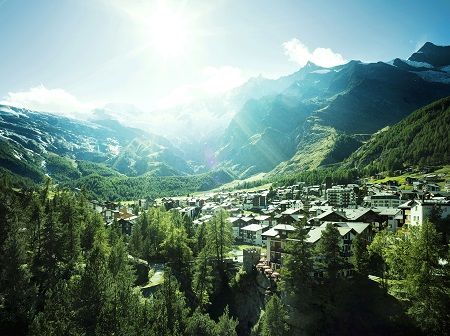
(430, 53)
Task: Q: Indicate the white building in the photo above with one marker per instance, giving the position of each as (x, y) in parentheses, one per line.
(421, 209)
(275, 241)
(383, 200)
(252, 234)
(264, 220)
(341, 197)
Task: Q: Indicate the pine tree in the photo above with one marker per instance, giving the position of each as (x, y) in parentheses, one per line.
(178, 255)
(58, 316)
(136, 241)
(329, 252)
(167, 309)
(199, 324)
(200, 238)
(94, 224)
(274, 320)
(360, 256)
(298, 267)
(219, 237)
(48, 264)
(71, 226)
(119, 314)
(226, 326)
(94, 290)
(426, 281)
(203, 279)
(16, 288)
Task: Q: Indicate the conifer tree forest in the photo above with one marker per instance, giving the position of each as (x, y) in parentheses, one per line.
(64, 272)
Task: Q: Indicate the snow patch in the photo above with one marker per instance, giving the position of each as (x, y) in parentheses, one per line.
(322, 71)
(418, 64)
(114, 149)
(18, 155)
(9, 110)
(434, 76)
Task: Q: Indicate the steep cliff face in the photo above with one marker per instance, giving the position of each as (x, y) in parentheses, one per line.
(250, 293)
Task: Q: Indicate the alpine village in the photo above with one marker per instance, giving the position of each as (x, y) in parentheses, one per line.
(320, 206)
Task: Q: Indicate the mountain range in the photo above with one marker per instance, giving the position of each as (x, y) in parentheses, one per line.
(312, 118)
(322, 115)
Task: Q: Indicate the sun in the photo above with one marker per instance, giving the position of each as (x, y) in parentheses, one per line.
(169, 31)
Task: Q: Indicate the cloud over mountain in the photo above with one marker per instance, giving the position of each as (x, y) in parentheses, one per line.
(299, 53)
(58, 101)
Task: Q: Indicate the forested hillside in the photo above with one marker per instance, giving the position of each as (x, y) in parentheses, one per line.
(147, 186)
(423, 138)
(63, 272)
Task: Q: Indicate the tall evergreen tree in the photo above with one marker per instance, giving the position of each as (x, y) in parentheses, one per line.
(329, 252)
(297, 266)
(16, 289)
(220, 237)
(427, 281)
(121, 311)
(360, 256)
(226, 326)
(94, 290)
(203, 278)
(168, 309)
(274, 321)
(199, 324)
(59, 315)
(178, 255)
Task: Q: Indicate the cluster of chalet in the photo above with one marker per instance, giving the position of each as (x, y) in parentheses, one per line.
(267, 217)
(125, 215)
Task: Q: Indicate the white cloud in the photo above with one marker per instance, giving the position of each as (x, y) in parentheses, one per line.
(213, 81)
(299, 53)
(58, 101)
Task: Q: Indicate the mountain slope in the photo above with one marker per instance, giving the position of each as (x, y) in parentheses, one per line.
(325, 114)
(430, 53)
(421, 138)
(33, 144)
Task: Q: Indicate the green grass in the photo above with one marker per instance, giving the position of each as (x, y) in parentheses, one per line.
(235, 184)
(401, 179)
(241, 247)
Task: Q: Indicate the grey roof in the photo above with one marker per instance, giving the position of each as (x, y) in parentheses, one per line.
(329, 212)
(357, 226)
(355, 213)
(290, 211)
(406, 205)
(270, 233)
(284, 227)
(389, 211)
(384, 196)
(315, 234)
(254, 227)
(344, 230)
(273, 232)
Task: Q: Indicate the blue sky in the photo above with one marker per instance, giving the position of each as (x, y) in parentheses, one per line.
(80, 54)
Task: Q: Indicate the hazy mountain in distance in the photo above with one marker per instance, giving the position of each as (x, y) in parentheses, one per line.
(39, 143)
(326, 114)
